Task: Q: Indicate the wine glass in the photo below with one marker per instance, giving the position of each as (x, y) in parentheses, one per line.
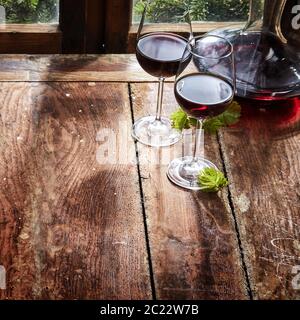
(204, 87)
(159, 54)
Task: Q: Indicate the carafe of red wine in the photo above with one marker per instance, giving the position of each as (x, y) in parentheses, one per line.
(267, 50)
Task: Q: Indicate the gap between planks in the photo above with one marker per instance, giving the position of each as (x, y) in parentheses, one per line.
(151, 273)
(230, 201)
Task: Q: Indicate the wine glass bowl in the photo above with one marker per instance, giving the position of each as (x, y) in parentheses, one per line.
(159, 53)
(216, 94)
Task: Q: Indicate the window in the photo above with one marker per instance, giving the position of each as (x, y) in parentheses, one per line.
(98, 26)
(163, 11)
(29, 11)
(205, 14)
(29, 26)
(52, 26)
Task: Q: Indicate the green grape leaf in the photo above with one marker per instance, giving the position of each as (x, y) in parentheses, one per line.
(180, 120)
(212, 180)
(229, 117)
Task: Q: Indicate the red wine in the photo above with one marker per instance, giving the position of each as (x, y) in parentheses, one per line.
(159, 54)
(203, 95)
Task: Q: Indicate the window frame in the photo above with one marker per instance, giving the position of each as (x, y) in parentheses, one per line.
(117, 34)
(88, 36)
(89, 18)
(102, 26)
(30, 38)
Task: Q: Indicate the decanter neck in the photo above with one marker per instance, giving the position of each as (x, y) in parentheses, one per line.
(266, 15)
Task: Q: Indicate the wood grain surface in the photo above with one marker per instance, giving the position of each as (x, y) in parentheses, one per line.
(262, 157)
(193, 243)
(80, 218)
(106, 68)
(30, 38)
(71, 227)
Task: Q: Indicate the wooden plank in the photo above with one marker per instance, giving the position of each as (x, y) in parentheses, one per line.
(29, 28)
(103, 68)
(262, 159)
(193, 243)
(30, 38)
(71, 224)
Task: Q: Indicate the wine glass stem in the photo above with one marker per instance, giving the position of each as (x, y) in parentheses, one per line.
(198, 139)
(160, 98)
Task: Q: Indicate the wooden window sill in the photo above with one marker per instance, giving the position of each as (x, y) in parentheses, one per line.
(30, 38)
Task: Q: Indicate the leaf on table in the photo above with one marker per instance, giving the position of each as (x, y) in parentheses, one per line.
(212, 180)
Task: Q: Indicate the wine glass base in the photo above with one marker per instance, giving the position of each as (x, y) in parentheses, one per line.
(155, 133)
(184, 173)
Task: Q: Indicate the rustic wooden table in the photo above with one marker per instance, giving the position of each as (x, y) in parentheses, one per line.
(72, 227)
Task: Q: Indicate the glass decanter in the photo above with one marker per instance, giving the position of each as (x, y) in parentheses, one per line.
(267, 50)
